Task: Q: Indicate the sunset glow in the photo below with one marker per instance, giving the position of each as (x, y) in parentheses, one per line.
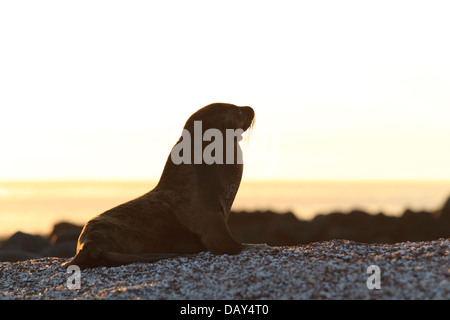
(341, 90)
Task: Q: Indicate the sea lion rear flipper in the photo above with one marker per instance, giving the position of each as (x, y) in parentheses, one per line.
(84, 259)
(88, 256)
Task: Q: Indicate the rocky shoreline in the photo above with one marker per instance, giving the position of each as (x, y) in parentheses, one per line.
(307, 261)
(338, 269)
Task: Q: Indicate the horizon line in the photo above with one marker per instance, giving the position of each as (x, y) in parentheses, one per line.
(243, 180)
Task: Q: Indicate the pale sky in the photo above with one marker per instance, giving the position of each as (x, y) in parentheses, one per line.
(341, 89)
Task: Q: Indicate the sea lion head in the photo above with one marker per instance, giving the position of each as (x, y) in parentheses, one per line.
(222, 116)
(211, 135)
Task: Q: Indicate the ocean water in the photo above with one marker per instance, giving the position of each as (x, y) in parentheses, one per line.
(34, 207)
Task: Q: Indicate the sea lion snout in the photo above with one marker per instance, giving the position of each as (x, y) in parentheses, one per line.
(246, 117)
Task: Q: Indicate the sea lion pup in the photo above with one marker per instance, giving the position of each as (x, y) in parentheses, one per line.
(187, 211)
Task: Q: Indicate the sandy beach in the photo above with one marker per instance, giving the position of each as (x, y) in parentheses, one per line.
(336, 269)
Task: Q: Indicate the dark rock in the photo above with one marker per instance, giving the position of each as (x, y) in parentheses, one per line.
(445, 211)
(285, 229)
(22, 246)
(416, 226)
(25, 242)
(66, 249)
(65, 231)
(69, 235)
(275, 229)
(385, 229)
(444, 220)
(17, 255)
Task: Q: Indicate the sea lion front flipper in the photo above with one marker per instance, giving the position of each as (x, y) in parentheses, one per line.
(217, 238)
